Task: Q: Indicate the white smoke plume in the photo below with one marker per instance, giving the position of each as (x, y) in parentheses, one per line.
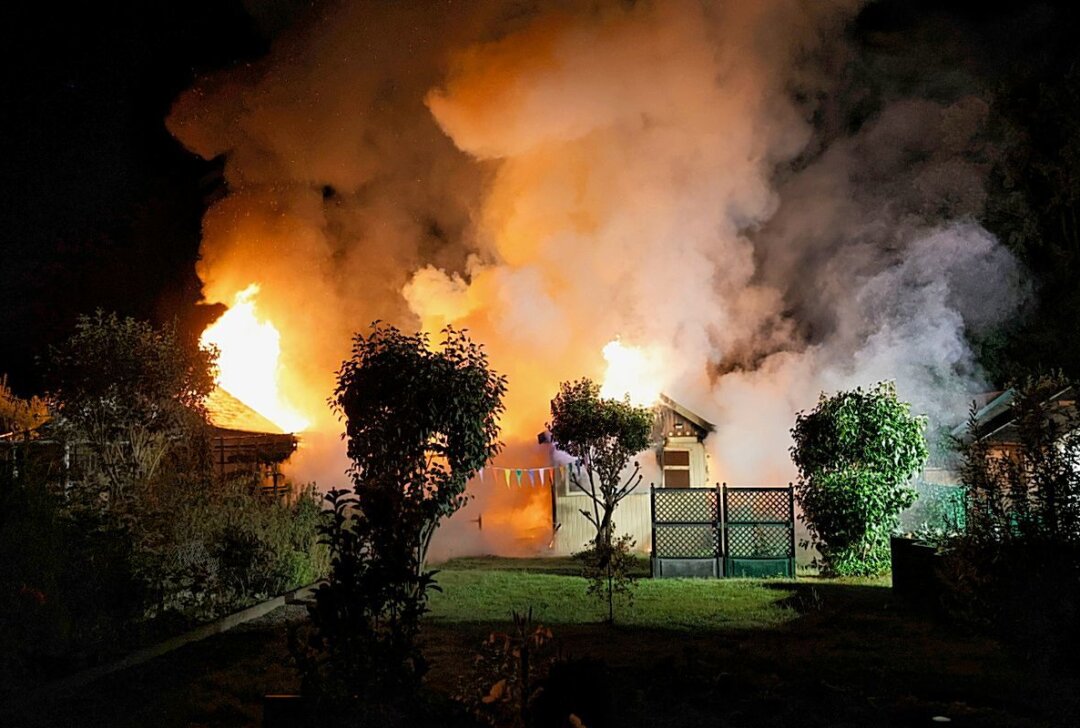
(555, 175)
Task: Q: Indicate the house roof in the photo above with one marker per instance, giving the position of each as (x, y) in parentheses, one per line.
(694, 418)
(677, 421)
(996, 420)
(228, 413)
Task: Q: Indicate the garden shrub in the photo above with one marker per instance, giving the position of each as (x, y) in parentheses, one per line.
(1016, 569)
(855, 453)
(138, 536)
(420, 421)
(81, 583)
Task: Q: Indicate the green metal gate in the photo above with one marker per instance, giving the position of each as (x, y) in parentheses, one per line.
(723, 531)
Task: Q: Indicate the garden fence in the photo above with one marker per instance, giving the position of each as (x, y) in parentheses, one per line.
(723, 531)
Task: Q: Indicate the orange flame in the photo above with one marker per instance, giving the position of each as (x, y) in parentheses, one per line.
(248, 366)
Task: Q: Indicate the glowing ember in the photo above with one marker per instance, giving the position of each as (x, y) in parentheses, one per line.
(248, 365)
(631, 371)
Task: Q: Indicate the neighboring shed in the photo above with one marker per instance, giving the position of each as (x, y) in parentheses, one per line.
(679, 461)
(997, 420)
(245, 442)
(242, 442)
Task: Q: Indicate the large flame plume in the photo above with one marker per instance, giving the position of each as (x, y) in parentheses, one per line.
(553, 176)
(633, 373)
(248, 362)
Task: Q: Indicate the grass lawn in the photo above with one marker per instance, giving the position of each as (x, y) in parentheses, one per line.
(809, 652)
(487, 594)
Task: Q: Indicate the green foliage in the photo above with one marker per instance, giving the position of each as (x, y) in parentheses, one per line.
(1028, 490)
(509, 670)
(938, 513)
(1022, 542)
(129, 391)
(855, 453)
(87, 583)
(603, 435)
(225, 546)
(608, 567)
(419, 423)
(120, 532)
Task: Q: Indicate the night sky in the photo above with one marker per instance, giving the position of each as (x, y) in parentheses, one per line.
(101, 207)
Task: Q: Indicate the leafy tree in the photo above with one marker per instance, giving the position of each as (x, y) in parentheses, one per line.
(855, 453)
(131, 392)
(603, 435)
(420, 421)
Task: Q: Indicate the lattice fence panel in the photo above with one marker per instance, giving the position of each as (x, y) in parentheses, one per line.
(759, 541)
(685, 506)
(758, 504)
(687, 541)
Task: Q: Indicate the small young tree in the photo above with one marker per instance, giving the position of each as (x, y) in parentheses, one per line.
(855, 453)
(420, 421)
(603, 435)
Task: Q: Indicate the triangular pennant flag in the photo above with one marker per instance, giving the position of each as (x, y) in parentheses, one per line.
(480, 474)
(506, 474)
(532, 478)
(519, 477)
(540, 472)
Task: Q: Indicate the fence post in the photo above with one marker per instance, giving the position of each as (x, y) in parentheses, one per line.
(724, 515)
(791, 520)
(652, 547)
(719, 524)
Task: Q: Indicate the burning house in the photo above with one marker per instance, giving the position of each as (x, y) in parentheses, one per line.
(244, 443)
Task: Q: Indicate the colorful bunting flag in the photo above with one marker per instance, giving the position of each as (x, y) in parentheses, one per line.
(506, 474)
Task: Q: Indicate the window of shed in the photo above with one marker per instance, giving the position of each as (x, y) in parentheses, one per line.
(676, 468)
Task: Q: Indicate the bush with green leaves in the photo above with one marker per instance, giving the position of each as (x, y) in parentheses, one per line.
(139, 537)
(855, 453)
(1021, 545)
(602, 435)
(509, 672)
(128, 391)
(420, 421)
